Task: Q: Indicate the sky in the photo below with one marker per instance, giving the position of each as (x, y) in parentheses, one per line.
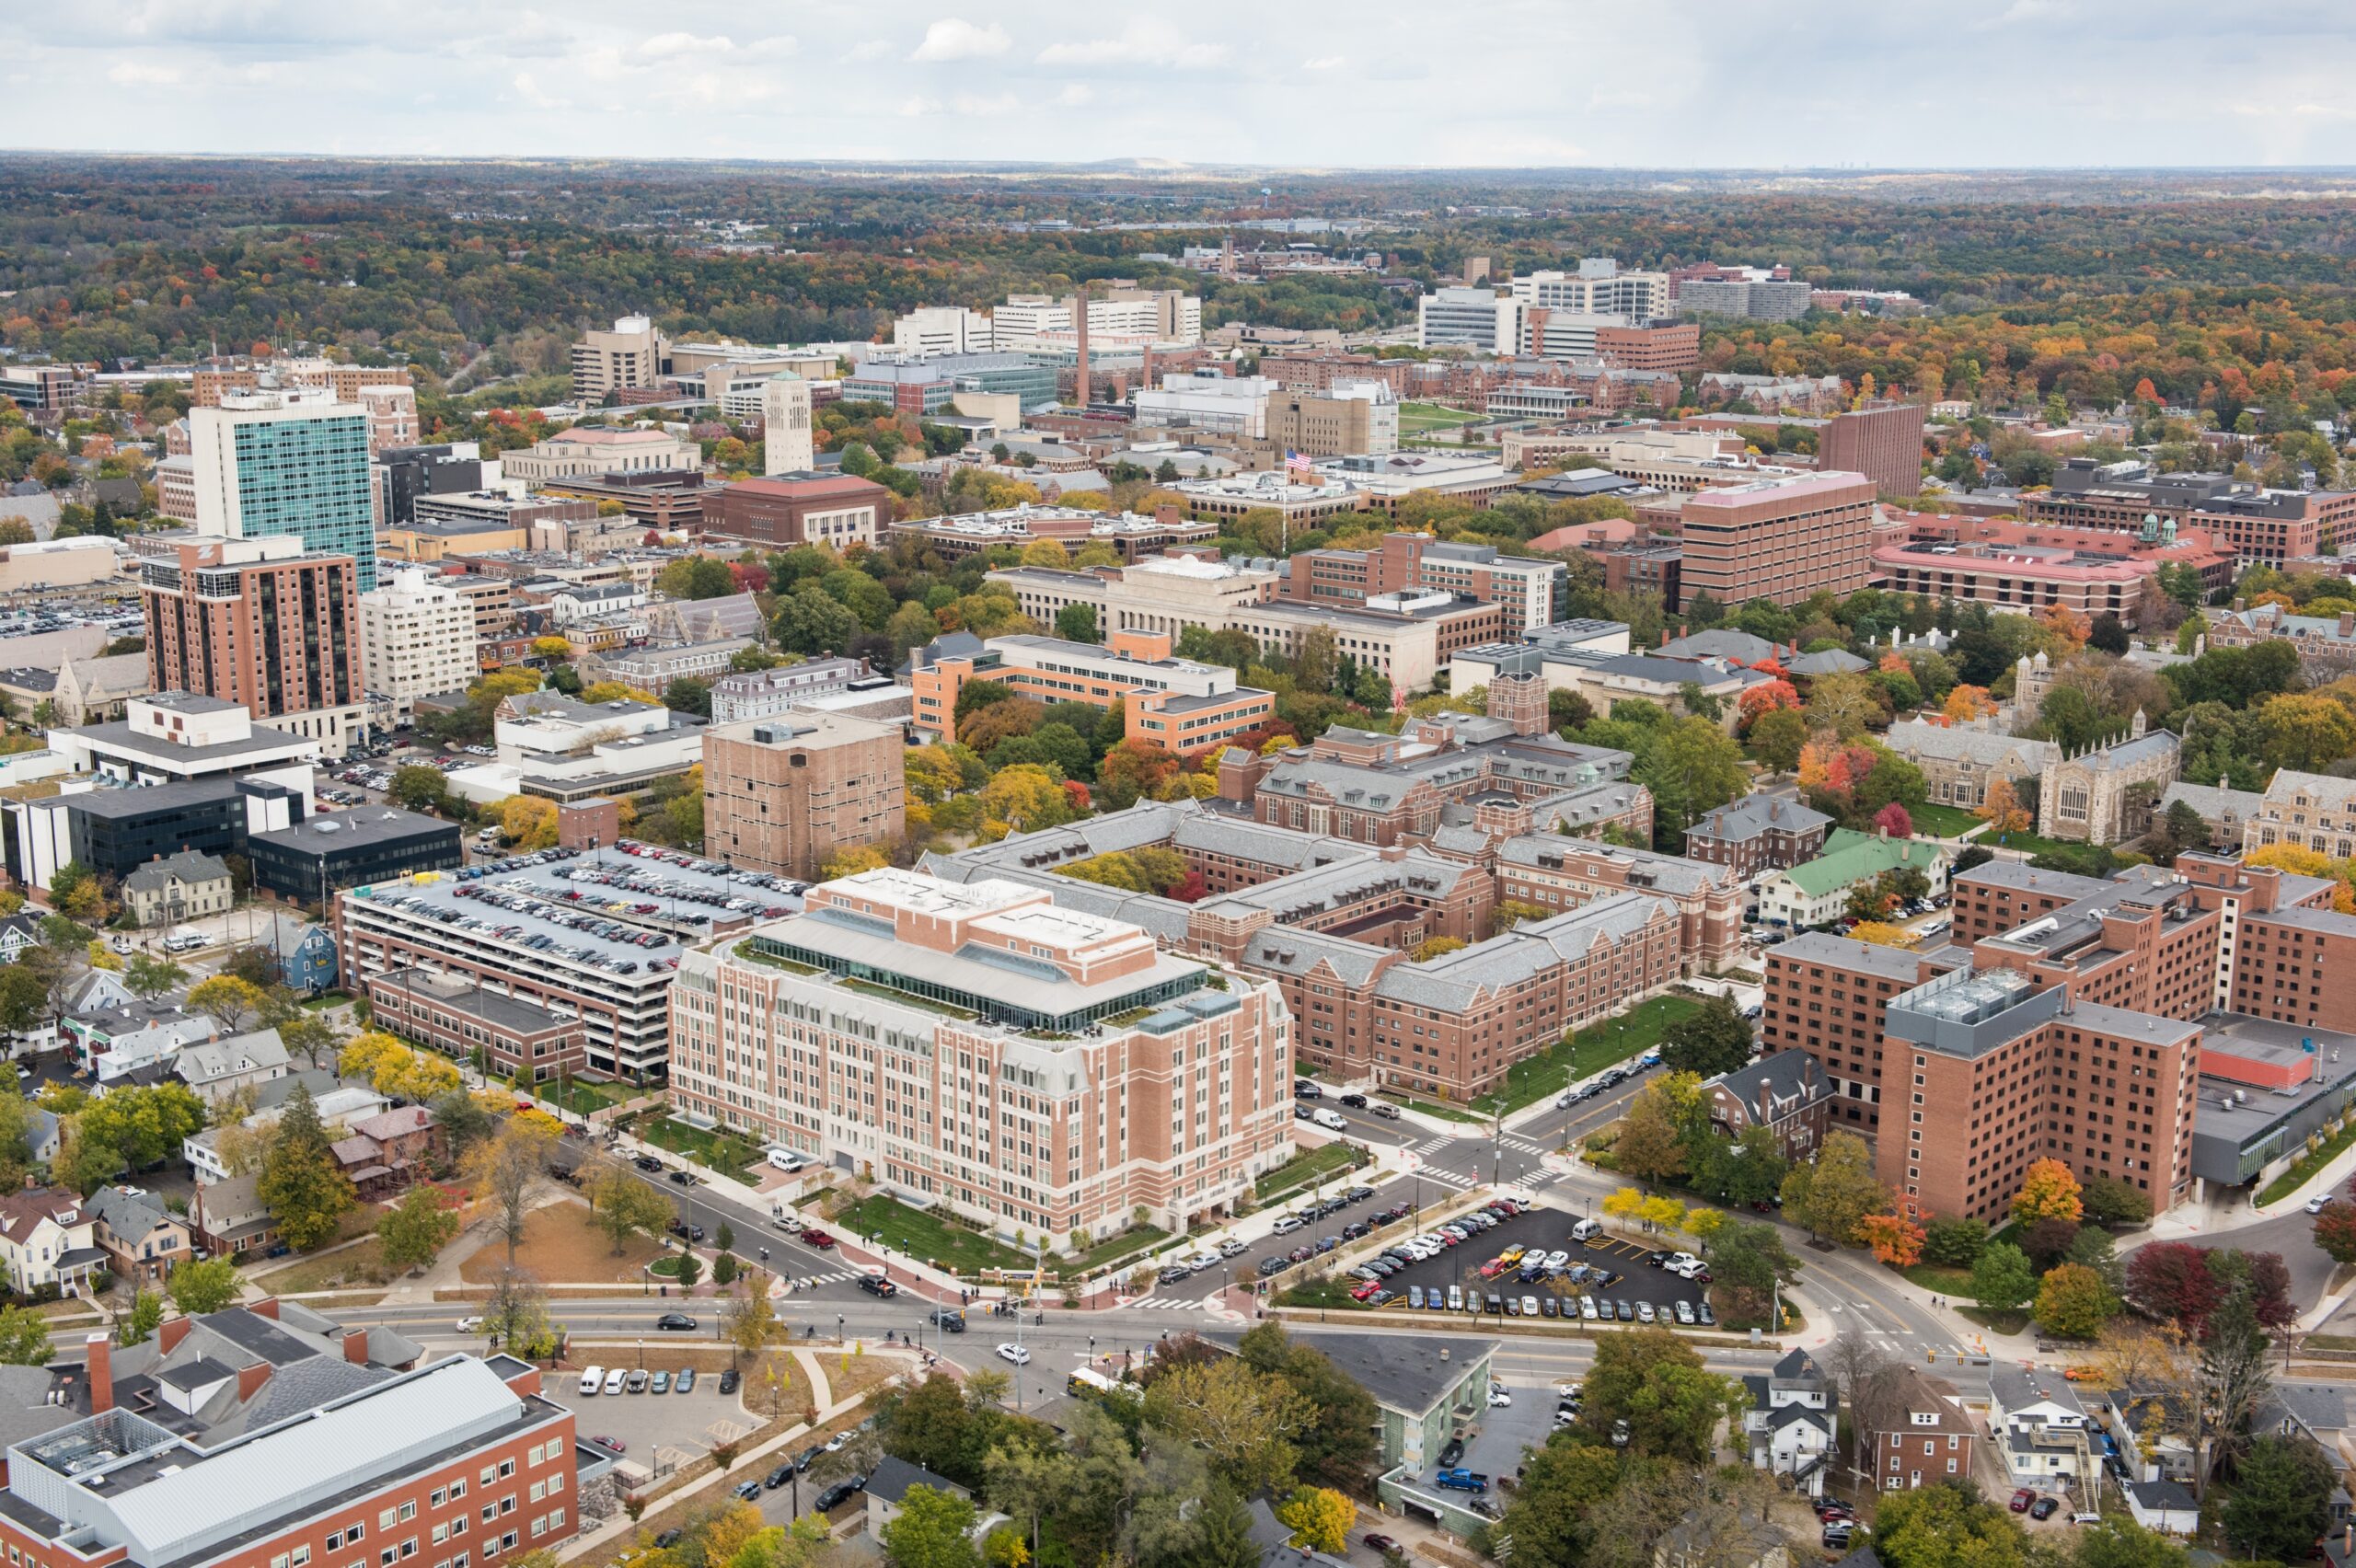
(1652, 83)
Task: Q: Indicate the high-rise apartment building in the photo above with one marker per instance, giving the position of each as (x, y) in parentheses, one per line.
(1469, 318)
(783, 794)
(631, 357)
(392, 415)
(417, 637)
(1884, 443)
(1033, 1067)
(214, 383)
(786, 441)
(1779, 539)
(943, 329)
(295, 462)
(1598, 288)
(262, 623)
(1120, 315)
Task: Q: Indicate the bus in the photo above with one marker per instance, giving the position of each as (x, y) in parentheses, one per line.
(1087, 1380)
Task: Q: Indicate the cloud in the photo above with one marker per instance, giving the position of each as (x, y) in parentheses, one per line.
(954, 37)
(1325, 63)
(1075, 95)
(969, 106)
(910, 108)
(669, 45)
(1142, 42)
(868, 49)
(129, 73)
(530, 91)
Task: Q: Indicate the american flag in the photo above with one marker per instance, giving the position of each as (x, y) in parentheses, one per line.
(1297, 464)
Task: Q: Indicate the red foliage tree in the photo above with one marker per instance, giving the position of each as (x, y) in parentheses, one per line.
(2172, 1279)
(1765, 697)
(752, 578)
(2336, 1233)
(2270, 1290)
(1190, 891)
(1077, 793)
(1893, 820)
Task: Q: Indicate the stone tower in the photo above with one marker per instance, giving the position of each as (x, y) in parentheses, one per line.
(785, 425)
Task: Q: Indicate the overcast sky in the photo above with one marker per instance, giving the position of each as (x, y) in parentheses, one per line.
(1642, 83)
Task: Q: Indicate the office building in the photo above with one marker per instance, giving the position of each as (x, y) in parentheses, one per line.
(1299, 499)
(460, 1019)
(1883, 441)
(1348, 416)
(785, 425)
(273, 464)
(1598, 288)
(1780, 538)
(2262, 526)
(305, 861)
(1136, 536)
(1667, 346)
(1478, 318)
(784, 510)
(591, 452)
(37, 388)
(392, 415)
(417, 637)
(211, 387)
(1387, 480)
(1225, 408)
(404, 474)
(2024, 567)
(1172, 704)
(923, 1028)
(928, 383)
(1119, 315)
(632, 357)
(943, 329)
(1765, 299)
(260, 623)
(763, 693)
(115, 831)
(783, 794)
(1530, 590)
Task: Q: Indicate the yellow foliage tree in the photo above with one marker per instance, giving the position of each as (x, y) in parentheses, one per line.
(2048, 1192)
(1966, 703)
(1663, 1214)
(527, 822)
(618, 691)
(1625, 1203)
(850, 862)
(1882, 934)
(1320, 1518)
(1703, 1223)
(2002, 811)
(549, 647)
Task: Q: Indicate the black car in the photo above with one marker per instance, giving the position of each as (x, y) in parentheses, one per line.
(1307, 1089)
(684, 1178)
(778, 1476)
(728, 1382)
(678, 1323)
(1270, 1265)
(876, 1285)
(1358, 1100)
(1453, 1451)
(1355, 1229)
(1360, 1194)
(1170, 1276)
(948, 1320)
(841, 1492)
(2045, 1507)
(1300, 1112)
(647, 1162)
(804, 1460)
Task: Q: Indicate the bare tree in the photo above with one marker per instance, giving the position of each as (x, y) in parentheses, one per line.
(1871, 1385)
(499, 1172)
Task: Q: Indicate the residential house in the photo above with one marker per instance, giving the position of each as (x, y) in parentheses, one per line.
(19, 934)
(2162, 1506)
(1926, 1437)
(228, 1217)
(1793, 1420)
(143, 1239)
(1817, 892)
(1786, 1092)
(1757, 832)
(48, 1239)
(1273, 1537)
(1425, 1390)
(1712, 1538)
(308, 960)
(178, 887)
(387, 1152)
(339, 1105)
(2042, 1433)
(40, 1133)
(112, 1035)
(887, 1488)
(217, 1067)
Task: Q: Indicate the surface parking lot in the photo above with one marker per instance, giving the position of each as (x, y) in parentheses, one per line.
(646, 1420)
(1542, 1231)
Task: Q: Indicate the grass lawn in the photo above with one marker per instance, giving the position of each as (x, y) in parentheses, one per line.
(1319, 1293)
(1594, 1048)
(1304, 1169)
(582, 1097)
(937, 1239)
(1941, 822)
(1137, 1238)
(1939, 1279)
(1415, 416)
(563, 1248)
(1445, 1112)
(326, 999)
(2303, 1169)
(363, 1265)
(719, 1150)
(2010, 1321)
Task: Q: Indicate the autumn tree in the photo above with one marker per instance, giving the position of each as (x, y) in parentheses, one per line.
(2002, 810)
(301, 1181)
(2048, 1192)
(234, 1003)
(414, 1231)
(621, 1206)
(1893, 1239)
(2073, 1302)
(500, 1172)
(1832, 1195)
(1320, 1519)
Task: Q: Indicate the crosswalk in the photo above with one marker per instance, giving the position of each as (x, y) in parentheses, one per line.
(1172, 1304)
(838, 1277)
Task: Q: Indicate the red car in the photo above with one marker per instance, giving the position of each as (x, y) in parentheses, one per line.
(1365, 1289)
(613, 1445)
(1380, 1543)
(818, 1239)
(2022, 1498)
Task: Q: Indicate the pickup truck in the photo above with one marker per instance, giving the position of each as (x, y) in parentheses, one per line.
(1462, 1480)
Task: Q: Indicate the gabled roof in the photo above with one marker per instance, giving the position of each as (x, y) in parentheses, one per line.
(188, 866)
(23, 1213)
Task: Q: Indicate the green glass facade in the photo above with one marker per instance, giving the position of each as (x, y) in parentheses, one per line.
(309, 477)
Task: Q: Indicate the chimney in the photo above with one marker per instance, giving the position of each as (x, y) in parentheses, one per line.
(101, 1374)
(250, 1379)
(1169, 516)
(355, 1346)
(169, 1334)
(1664, 637)
(2348, 623)
(265, 1308)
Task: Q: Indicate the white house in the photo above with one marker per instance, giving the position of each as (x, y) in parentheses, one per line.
(2043, 1431)
(1790, 1423)
(48, 1237)
(2162, 1506)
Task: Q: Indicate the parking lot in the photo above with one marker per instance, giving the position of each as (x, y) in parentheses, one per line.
(1542, 1232)
(644, 1421)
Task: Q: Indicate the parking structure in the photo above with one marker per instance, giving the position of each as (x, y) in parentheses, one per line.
(1617, 1271)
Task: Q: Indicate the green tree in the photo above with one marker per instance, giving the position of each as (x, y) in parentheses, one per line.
(234, 1003)
(149, 978)
(301, 1182)
(1223, 1539)
(1954, 1243)
(421, 789)
(1834, 1194)
(2073, 1302)
(2002, 1279)
(1656, 1383)
(690, 1269)
(621, 1206)
(1775, 738)
(212, 1285)
(138, 1325)
(24, 1338)
(2281, 1500)
(1244, 1423)
(1077, 623)
(1714, 1039)
(1947, 1526)
(1692, 768)
(416, 1229)
(2120, 1542)
(933, 1529)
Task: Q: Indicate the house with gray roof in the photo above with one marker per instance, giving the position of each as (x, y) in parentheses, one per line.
(2042, 1431)
(1757, 834)
(1828, 662)
(176, 888)
(1793, 1420)
(1960, 762)
(1721, 642)
(143, 1239)
(1785, 1092)
(215, 1067)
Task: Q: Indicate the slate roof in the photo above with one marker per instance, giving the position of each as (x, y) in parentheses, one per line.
(891, 1479)
(2213, 801)
(1721, 643)
(189, 866)
(1787, 1075)
(1456, 980)
(1831, 661)
(2324, 791)
(206, 1061)
(1755, 814)
(1672, 874)
(1915, 738)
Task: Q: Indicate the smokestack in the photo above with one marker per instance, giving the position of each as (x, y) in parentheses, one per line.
(1079, 327)
(101, 1374)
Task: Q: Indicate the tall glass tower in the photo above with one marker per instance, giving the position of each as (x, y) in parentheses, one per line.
(287, 462)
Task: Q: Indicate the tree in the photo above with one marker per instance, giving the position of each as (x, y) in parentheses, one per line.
(1320, 1518)
(1650, 1146)
(2235, 1378)
(526, 823)
(1224, 1537)
(2048, 1192)
(1892, 822)
(1713, 1039)
(933, 1529)
(2334, 1232)
(418, 1227)
(748, 1322)
(2002, 810)
(149, 978)
(233, 1002)
(24, 1338)
(2106, 1200)
(301, 1182)
(1832, 1196)
(213, 1285)
(2172, 1281)
(1077, 623)
(1947, 1526)
(1656, 1383)
(1245, 1425)
(2001, 1278)
(621, 1206)
(1893, 1239)
(1692, 768)
(138, 1325)
(516, 1317)
(2281, 1501)
(499, 1171)
(1775, 739)
(420, 789)
(2073, 1303)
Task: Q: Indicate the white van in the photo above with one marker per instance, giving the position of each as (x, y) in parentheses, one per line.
(788, 1159)
(592, 1380)
(1585, 1229)
(616, 1379)
(1333, 1120)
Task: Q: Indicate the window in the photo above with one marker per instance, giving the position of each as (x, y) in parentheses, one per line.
(409, 1511)
(409, 1547)
(457, 1489)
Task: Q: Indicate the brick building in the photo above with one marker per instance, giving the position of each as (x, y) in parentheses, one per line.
(1555, 871)
(2023, 567)
(1531, 590)
(835, 510)
(782, 794)
(1781, 538)
(513, 1034)
(2268, 526)
(1669, 346)
(1786, 1093)
(1172, 704)
(1756, 834)
(262, 623)
(1884, 443)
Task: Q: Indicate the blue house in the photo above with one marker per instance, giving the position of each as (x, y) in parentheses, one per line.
(306, 953)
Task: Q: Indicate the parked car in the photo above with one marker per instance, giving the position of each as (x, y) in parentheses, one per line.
(840, 1493)
(729, 1380)
(2045, 1507)
(685, 1383)
(814, 1237)
(2022, 1498)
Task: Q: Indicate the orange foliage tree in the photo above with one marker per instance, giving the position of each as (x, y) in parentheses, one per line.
(2048, 1192)
(1893, 1239)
